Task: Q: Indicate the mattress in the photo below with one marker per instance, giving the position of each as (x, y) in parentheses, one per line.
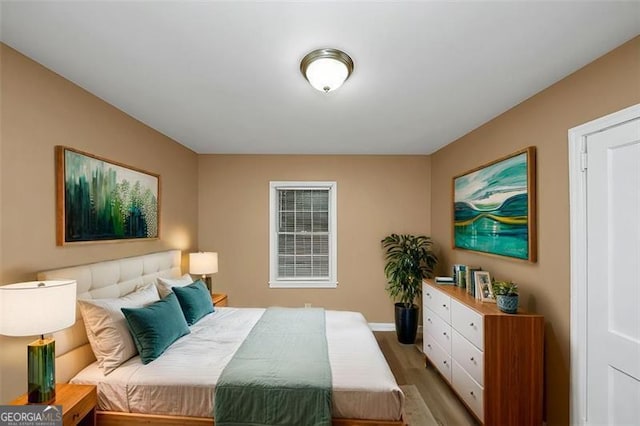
(182, 380)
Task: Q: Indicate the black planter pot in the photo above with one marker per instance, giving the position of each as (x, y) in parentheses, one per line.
(406, 323)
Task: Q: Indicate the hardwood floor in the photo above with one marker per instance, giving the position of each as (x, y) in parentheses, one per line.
(408, 366)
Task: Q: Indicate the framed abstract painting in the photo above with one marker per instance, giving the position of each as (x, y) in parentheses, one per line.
(102, 200)
(494, 207)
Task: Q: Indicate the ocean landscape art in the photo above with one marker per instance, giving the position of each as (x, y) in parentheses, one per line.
(101, 200)
(494, 207)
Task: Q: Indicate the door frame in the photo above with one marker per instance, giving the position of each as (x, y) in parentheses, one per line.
(578, 163)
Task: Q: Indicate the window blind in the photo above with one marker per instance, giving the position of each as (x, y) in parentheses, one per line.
(303, 233)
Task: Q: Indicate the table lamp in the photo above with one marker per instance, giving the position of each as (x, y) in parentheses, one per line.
(203, 264)
(32, 308)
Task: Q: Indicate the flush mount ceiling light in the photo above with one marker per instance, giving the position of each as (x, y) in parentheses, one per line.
(326, 69)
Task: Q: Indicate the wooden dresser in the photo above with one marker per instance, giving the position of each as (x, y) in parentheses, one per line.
(492, 360)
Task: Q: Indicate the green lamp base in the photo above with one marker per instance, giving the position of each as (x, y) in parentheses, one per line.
(41, 365)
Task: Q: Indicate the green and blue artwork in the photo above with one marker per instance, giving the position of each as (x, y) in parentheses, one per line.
(493, 210)
(107, 201)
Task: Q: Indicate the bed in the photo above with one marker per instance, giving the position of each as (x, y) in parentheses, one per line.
(178, 388)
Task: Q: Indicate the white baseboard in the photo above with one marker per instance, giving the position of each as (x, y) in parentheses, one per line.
(382, 326)
(386, 326)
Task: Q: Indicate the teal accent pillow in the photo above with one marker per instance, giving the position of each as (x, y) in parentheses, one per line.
(156, 326)
(195, 301)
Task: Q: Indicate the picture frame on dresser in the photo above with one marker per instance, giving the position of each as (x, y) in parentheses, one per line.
(100, 200)
(483, 287)
(494, 207)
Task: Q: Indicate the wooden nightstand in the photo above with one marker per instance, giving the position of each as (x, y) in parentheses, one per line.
(219, 299)
(78, 403)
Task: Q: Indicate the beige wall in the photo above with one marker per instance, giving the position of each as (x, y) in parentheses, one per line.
(40, 110)
(607, 85)
(377, 195)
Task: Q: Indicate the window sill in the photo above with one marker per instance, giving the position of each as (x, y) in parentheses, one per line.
(303, 284)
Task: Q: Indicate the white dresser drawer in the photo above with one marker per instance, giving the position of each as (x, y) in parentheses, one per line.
(427, 345)
(437, 301)
(438, 328)
(471, 392)
(468, 356)
(438, 357)
(468, 323)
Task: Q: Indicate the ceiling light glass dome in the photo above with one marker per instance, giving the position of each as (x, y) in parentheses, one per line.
(326, 69)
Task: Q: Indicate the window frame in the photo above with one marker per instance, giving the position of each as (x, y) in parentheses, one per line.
(274, 280)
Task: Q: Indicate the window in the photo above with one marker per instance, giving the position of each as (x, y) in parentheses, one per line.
(303, 234)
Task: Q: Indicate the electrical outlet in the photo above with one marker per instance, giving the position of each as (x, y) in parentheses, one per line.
(307, 305)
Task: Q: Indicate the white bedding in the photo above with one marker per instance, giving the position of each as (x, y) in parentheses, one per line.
(182, 380)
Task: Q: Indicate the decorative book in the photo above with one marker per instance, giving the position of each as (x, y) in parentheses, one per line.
(445, 280)
(471, 279)
(459, 275)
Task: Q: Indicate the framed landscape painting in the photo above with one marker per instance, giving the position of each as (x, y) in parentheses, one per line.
(494, 207)
(101, 200)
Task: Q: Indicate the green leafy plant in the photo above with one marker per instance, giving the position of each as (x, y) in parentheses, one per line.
(409, 259)
(505, 288)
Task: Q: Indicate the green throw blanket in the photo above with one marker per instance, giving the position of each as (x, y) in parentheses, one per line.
(280, 375)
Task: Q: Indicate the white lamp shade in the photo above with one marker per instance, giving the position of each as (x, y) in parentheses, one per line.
(203, 263)
(37, 307)
(327, 74)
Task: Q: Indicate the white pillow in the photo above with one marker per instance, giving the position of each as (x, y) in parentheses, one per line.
(165, 284)
(107, 328)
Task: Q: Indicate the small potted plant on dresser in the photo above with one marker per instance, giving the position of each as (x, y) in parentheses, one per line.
(410, 258)
(506, 293)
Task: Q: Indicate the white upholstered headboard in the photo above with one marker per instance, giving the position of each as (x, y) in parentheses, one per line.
(108, 279)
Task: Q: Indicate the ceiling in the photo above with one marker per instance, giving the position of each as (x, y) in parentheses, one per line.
(223, 77)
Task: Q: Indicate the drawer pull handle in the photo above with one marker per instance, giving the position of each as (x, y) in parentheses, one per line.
(444, 362)
(444, 332)
(444, 306)
(471, 325)
(472, 394)
(472, 359)
(428, 294)
(429, 345)
(429, 319)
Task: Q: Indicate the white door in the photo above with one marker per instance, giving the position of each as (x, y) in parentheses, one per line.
(613, 275)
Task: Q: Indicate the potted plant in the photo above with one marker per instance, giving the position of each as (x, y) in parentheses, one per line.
(409, 259)
(506, 293)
